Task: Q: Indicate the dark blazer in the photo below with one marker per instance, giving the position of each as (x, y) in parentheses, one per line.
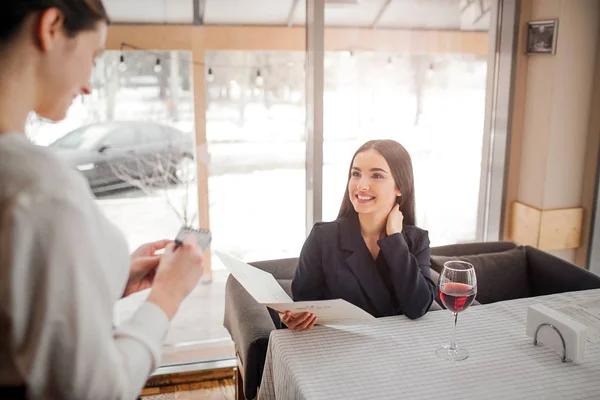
(336, 263)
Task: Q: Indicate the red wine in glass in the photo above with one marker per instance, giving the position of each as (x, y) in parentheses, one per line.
(457, 297)
(457, 288)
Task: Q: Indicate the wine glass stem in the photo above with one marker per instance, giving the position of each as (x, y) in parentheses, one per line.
(453, 341)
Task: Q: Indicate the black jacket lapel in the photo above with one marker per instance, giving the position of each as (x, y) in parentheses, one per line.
(363, 267)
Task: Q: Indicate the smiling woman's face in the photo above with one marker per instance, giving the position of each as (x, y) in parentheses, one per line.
(371, 186)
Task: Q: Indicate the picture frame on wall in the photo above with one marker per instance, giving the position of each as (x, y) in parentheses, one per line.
(542, 37)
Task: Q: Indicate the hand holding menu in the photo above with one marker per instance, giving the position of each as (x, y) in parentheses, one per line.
(263, 287)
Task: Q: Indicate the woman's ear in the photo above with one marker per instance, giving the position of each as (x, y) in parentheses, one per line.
(49, 27)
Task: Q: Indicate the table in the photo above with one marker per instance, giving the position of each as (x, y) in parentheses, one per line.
(396, 359)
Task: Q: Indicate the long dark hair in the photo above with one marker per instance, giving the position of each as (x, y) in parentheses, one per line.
(79, 15)
(401, 168)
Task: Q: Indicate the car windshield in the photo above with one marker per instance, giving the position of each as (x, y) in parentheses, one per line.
(82, 138)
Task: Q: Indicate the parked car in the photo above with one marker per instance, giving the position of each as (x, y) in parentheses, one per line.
(118, 154)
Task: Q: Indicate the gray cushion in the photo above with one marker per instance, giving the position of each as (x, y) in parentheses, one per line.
(461, 249)
(286, 284)
(249, 324)
(280, 269)
(500, 276)
(435, 277)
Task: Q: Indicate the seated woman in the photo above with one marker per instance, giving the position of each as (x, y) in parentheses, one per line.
(372, 255)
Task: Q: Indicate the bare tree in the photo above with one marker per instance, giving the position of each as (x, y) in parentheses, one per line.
(421, 63)
(163, 172)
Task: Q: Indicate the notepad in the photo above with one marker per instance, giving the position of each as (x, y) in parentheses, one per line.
(203, 237)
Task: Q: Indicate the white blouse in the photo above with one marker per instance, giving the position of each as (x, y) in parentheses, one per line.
(63, 266)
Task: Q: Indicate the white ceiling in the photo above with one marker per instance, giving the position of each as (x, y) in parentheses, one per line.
(424, 14)
(247, 12)
(434, 14)
(151, 11)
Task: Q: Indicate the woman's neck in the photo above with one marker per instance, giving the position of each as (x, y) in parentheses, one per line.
(16, 93)
(372, 225)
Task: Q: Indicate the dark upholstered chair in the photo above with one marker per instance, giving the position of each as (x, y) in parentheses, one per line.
(249, 324)
(504, 271)
(459, 250)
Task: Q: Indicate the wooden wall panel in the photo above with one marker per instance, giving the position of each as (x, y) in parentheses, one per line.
(274, 38)
(546, 229)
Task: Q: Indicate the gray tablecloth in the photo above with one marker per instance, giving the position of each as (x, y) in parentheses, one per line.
(396, 359)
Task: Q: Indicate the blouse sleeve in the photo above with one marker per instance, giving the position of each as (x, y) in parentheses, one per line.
(61, 308)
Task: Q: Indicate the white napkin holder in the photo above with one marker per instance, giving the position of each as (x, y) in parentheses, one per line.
(556, 331)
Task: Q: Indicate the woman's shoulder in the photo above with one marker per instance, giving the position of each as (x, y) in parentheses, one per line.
(415, 236)
(326, 228)
(415, 231)
(39, 171)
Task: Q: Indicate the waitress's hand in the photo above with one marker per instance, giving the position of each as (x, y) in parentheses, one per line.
(178, 273)
(394, 221)
(144, 262)
(298, 321)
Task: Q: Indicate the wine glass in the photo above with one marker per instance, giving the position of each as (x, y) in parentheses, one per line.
(457, 288)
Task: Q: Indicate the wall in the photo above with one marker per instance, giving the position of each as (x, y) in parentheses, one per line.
(553, 146)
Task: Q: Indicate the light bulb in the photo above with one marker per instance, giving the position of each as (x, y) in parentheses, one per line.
(259, 79)
(210, 77)
(157, 67)
(430, 71)
(122, 65)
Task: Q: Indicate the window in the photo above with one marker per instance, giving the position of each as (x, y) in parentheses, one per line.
(429, 95)
(255, 130)
(82, 138)
(121, 137)
(434, 106)
(151, 134)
